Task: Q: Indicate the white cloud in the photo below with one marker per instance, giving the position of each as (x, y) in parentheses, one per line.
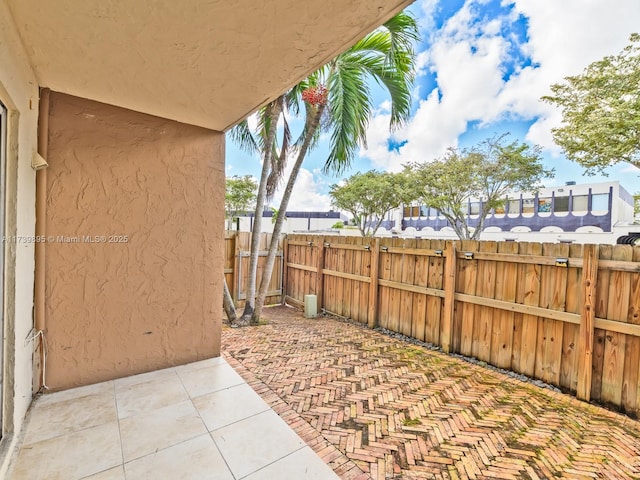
(308, 191)
(468, 57)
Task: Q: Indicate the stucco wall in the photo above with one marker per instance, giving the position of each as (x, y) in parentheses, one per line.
(134, 242)
(19, 93)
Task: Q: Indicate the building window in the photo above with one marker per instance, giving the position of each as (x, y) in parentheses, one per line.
(562, 204)
(407, 212)
(544, 205)
(475, 208)
(514, 206)
(580, 203)
(528, 205)
(600, 202)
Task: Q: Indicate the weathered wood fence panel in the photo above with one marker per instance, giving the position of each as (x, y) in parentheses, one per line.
(566, 314)
(236, 267)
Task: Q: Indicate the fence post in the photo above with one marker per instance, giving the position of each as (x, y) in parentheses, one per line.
(449, 297)
(372, 315)
(320, 275)
(285, 269)
(587, 316)
(236, 268)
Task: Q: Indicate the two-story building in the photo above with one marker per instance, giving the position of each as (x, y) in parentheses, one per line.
(582, 213)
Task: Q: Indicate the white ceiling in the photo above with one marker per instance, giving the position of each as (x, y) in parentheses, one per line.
(207, 63)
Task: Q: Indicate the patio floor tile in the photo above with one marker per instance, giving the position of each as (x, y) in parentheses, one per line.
(72, 456)
(302, 464)
(157, 429)
(246, 447)
(208, 378)
(230, 405)
(53, 419)
(157, 392)
(197, 458)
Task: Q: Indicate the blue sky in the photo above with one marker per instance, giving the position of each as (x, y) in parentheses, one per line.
(482, 67)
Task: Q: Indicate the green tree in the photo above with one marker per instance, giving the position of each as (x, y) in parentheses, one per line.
(601, 111)
(369, 197)
(335, 99)
(487, 172)
(239, 197)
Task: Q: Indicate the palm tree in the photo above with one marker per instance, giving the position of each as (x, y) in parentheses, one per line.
(336, 99)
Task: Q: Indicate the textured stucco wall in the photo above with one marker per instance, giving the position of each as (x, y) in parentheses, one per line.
(117, 307)
(19, 93)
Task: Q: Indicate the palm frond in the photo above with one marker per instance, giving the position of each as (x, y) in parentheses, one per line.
(242, 136)
(350, 109)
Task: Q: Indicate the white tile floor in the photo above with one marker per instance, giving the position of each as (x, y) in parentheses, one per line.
(194, 422)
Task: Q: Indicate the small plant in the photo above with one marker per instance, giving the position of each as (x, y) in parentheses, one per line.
(338, 224)
(411, 422)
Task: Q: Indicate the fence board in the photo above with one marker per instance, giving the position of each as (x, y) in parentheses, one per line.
(484, 315)
(470, 278)
(406, 298)
(384, 274)
(587, 318)
(502, 331)
(420, 301)
(631, 385)
(456, 334)
(331, 260)
(448, 286)
(602, 294)
(394, 294)
(615, 343)
(434, 304)
(570, 334)
(530, 296)
(348, 282)
(371, 296)
(551, 331)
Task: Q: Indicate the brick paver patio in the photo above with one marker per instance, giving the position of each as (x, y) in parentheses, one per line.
(373, 406)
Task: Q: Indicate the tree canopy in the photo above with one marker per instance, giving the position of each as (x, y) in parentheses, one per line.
(601, 111)
(239, 197)
(369, 197)
(486, 172)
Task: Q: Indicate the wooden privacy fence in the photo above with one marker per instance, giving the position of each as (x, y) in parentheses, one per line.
(568, 315)
(236, 267)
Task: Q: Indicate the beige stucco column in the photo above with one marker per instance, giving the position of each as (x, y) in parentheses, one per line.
(134, 242)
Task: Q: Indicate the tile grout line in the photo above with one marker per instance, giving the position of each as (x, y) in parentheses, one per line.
(115, 401)
(275, 461)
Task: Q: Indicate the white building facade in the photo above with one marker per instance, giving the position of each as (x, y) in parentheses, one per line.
(586, 213)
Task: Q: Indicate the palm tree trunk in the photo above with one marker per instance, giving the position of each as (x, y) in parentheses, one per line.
(310, 132)
(273, 113)
(227, 303)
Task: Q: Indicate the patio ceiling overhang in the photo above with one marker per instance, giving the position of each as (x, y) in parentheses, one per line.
(206, 63)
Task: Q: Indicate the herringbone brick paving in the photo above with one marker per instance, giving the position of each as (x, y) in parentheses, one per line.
(376, 407)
